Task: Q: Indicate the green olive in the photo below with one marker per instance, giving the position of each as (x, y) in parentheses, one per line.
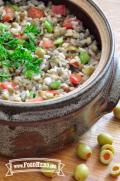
(81, 172)
(48, 26)
(83, 151)
(55, 85)
(116, 112)
(40, 52)
(115, 170)
(106, 156)
(88, 70)
(59, 41)
(104, 138)
(108, 147)
(50, 174)
(84, 57)
(71, 48)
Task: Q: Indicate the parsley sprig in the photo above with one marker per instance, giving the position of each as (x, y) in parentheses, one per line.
(4, 76)
(32, 28)
(17, 53)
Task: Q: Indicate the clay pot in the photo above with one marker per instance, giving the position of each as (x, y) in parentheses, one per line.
(34, 129)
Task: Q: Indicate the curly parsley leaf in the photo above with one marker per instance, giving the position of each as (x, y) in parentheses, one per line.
(5, 37)
(15, 53)
(30, 43)
(3, 53)
(4, 76)
(3, 28)
(32, 28)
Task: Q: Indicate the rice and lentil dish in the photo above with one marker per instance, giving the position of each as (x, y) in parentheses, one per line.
(45, 52)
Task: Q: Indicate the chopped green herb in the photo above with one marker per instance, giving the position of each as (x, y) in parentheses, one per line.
(3, 53)
(5, 37)
(13, 43)
(21, 53)
(15, 53)
(4, 76)
(32, 28)
(15, 7)
(29, 74)
(3, 28)
(30, 43)
(32, 94)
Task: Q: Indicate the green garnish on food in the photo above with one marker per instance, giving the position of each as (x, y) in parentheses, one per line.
(3, 28)
(15, 7)
(4, 76)
(13, 43)
(5, 37)
(48, 26)
(84, 57)
(32, 28)
(3, 53)
(29, 73)
(23, 57)
(32, 94)
(15, 53)
(30, 43)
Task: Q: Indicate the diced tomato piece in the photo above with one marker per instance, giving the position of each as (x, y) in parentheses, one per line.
(7, 18)
(74, 64)
(9, 14)
(38, 99)
(5, 85)
(75, 79)
(48, 44)
(59, 9)
(34, 12)
(19, 36)
(54, 92)
(65, 88)
(68, 22)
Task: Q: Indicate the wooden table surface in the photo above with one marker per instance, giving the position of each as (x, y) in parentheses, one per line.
(106, 124)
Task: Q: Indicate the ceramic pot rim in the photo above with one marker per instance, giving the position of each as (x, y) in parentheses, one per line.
(80, 90)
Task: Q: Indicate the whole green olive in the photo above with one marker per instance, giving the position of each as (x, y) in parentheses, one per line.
(116, 112)
(81, 172)
(50, 173)
(104, 138)
(83, 151)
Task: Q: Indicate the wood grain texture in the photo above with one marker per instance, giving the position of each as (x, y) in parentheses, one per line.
(106, 124)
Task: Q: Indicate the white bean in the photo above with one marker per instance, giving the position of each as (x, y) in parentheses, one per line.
(48, 81)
